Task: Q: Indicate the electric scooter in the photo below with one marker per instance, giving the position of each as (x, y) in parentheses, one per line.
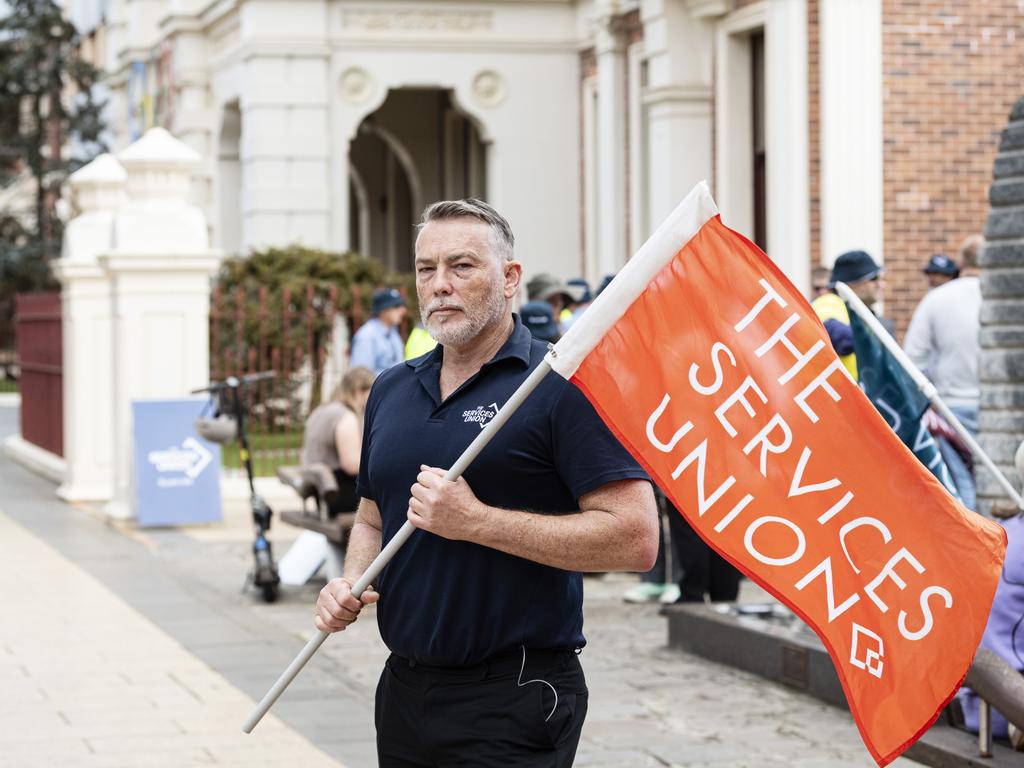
(227, 423)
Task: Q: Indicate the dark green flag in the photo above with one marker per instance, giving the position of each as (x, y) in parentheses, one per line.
(897, 398)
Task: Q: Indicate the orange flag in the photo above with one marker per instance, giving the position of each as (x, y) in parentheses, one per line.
(714, 372)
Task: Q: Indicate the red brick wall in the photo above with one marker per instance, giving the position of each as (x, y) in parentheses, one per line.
(814, 133)
(951, 73)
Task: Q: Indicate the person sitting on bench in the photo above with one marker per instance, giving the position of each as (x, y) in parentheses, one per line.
(334, 433)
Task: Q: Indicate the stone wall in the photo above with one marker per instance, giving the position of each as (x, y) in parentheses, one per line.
(1002, 318)
(814, 136)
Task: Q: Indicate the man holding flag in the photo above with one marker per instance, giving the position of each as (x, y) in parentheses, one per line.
(482, 608)
(716, 375)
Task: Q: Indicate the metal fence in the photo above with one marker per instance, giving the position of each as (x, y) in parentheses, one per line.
(39, 358)
(302, 336)
(8, 354)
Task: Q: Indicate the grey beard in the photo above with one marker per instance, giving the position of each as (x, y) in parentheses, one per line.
(457, 335)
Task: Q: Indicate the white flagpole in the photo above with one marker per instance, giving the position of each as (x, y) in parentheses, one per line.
(397, 541)
(564, 358)
(926, 387)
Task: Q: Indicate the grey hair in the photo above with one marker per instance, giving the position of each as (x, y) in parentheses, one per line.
(969, 251)
(501, 232)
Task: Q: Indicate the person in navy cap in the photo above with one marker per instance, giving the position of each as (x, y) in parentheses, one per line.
(940, 269)
(377, 344)
(581, 298)
(864, 277)
(942, 340)
(539, 319)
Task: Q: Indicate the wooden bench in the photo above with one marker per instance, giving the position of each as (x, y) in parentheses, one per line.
(336, 530)
(316, 484)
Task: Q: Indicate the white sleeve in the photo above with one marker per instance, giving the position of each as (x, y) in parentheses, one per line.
(919, 343)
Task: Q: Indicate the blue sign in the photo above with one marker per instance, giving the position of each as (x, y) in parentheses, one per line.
(177, 473)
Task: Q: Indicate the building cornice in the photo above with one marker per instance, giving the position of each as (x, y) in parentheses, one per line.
(217, 10)
(676, 93)
(175, 24)
(118, 261)
(516, 45)
(707, 9)
(139, 53)
(243, 52)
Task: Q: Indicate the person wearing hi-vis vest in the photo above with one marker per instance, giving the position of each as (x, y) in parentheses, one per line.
(419, 342)
(864, 276)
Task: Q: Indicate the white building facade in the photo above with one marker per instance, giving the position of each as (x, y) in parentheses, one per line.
(334, 122)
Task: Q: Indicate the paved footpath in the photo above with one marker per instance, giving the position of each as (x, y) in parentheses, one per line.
(89, 682)
(127, 648)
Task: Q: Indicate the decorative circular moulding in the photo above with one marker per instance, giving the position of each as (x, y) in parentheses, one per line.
(356, 84)
(489, 88)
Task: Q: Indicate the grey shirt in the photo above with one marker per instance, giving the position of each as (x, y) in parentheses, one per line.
(942, 340)
(318, 443)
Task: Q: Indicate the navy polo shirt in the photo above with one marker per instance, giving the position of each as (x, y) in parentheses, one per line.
(453, 603)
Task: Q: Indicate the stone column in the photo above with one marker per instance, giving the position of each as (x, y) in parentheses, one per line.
(159, 273)
(612, 191)
(786, 139)
(1002, 320)
(98, 190)
(678, 97)
(194, 118)
(851, 127)
(285, 151)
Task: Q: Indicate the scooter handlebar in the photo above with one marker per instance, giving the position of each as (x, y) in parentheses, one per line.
(233, 382)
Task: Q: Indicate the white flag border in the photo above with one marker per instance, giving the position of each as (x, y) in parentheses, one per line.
(696, 209)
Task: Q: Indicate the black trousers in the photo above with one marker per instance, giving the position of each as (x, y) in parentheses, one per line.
(485, 715)
(705, 572)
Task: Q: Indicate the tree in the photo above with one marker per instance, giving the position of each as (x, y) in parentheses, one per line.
(50, 125)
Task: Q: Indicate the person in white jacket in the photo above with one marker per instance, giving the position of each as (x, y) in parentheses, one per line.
(942, 341)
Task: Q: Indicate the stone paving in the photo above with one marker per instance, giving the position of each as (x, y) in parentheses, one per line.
(136, 648)
(87, 681)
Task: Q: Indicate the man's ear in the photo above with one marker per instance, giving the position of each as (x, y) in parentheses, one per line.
(513, 276)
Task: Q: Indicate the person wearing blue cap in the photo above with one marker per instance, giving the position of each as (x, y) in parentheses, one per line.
(864, 276)
(581, 298)
(942, 340)
(940, 269)
(377, 344)
(540, 320)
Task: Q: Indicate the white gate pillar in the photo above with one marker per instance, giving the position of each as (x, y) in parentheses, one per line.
(159, 274)
(97, 190)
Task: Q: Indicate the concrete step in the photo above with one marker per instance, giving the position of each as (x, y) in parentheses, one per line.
(769, 641)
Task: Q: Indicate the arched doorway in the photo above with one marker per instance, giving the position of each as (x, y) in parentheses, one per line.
(416, 148)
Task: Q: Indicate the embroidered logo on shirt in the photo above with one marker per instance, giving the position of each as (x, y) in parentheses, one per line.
(480, 415)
